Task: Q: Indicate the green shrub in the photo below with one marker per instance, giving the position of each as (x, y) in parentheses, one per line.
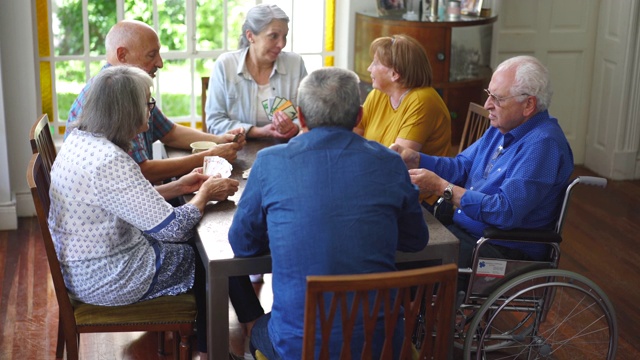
(173, 105)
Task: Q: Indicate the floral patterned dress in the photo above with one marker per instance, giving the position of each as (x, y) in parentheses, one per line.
(117, 238)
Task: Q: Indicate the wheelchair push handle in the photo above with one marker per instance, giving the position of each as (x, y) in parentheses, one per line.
(593, 181)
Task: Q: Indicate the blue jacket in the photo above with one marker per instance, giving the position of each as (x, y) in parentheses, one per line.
(328, 202)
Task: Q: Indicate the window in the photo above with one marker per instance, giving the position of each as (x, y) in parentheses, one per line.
(193, 33)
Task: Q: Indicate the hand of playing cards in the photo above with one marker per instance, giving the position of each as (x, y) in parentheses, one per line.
(274, 104)
(214, 165)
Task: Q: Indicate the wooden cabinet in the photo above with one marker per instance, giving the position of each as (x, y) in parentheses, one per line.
(459, 53)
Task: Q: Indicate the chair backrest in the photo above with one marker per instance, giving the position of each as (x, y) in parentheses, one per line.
(38, 178)
(203, 101)
(42, 142)
(475, 125)
(434, 292)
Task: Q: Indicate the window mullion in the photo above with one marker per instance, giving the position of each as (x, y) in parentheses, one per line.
(190, 22)
(85, 39)
(52, 67)
(119, 10)
(225, 28)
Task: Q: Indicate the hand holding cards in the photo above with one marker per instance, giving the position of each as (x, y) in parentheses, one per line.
(275, 104)
(216, 165)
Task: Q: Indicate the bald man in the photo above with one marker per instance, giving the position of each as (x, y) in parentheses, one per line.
(135, 43)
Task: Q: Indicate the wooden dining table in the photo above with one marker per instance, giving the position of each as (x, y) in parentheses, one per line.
(220, 263)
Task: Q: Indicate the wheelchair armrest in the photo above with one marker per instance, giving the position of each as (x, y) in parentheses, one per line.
(548, 236)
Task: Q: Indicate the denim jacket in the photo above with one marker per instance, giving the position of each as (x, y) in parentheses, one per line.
(232, 91)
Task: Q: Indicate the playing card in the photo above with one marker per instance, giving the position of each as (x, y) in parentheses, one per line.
(271, 101)
(216, 165)
(290, 111)
(276, 104)
(266, 107)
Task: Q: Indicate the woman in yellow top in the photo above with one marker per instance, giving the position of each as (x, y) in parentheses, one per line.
(403, 108)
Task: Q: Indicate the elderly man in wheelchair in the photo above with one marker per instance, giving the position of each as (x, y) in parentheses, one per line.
(504, 195)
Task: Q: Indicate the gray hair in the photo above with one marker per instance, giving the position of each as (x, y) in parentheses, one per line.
(115, 104)
(330, 97)
(531, 78)
(258, 18)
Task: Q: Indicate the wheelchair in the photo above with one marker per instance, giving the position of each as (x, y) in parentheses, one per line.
(516, 309)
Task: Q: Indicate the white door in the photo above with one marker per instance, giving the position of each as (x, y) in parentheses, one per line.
(562, 35)
(613, 138)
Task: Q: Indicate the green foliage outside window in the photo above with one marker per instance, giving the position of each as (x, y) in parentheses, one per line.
(172, 30)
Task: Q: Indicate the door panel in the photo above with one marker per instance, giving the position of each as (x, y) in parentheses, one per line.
(562, 35)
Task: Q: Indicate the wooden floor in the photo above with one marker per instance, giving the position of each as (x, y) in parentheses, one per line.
(600, 242)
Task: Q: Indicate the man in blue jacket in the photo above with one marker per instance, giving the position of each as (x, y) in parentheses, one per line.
(328, 202)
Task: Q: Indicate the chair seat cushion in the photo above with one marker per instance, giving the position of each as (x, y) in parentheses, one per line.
(161, 310)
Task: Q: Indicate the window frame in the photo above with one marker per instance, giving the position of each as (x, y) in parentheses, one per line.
(47, 58)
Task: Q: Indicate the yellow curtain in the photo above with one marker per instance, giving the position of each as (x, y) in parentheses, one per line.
(329, 31)
(46, 87)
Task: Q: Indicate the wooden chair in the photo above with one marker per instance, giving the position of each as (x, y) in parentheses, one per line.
(475, 125)
(436, 285)
(203, 101)
(166, 313)
(42, 141)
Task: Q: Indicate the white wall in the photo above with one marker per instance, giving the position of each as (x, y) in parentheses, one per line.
(345, 29)
(20, 102)
(8, 218)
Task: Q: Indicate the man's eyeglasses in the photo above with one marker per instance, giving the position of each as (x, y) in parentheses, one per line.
(151, 104)
(498, 100)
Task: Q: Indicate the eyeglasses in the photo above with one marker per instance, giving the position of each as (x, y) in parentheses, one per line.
(151, 104)
(498, 100)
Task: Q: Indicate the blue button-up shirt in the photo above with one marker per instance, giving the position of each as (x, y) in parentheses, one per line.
(515, 180)
(328, 202)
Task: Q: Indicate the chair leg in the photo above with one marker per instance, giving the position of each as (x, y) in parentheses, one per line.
(73, 346)
(60, 344)
(185, 347)
(161, 342)
(176, 345)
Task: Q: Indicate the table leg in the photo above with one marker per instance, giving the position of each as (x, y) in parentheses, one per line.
(218, 314)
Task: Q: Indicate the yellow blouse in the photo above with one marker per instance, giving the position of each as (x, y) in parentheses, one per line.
(422, 117)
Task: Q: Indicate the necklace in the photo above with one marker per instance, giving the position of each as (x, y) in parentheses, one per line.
(395, 107)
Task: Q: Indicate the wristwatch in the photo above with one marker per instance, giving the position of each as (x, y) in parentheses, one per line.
(448, 192)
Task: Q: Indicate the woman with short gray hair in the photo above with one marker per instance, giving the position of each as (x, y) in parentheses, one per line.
(258, 18)
(248, 83)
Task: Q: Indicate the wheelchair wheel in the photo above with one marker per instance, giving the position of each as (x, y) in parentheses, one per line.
(466, 316)
(544, 314)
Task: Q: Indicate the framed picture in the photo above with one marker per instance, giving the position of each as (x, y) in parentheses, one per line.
(470, 7)
(391, 8)
(426, 10)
